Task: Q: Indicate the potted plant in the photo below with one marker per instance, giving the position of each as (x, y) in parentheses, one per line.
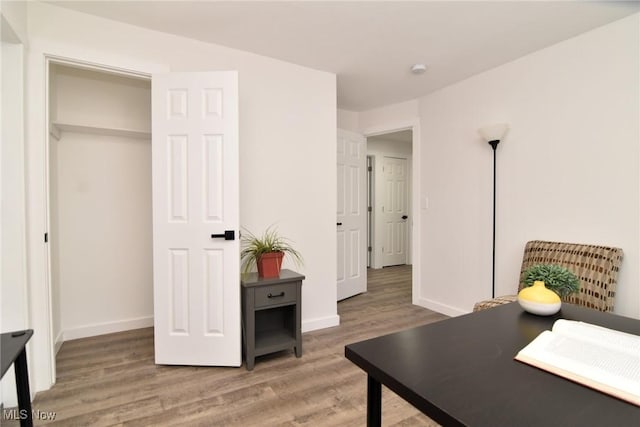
(267, 252)
(555, 277)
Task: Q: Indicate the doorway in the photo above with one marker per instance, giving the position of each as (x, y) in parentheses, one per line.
(100, 211)
(390, 227)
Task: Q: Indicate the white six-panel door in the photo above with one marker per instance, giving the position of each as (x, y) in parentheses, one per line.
(195, 195)
(395, 211)
(351, 222)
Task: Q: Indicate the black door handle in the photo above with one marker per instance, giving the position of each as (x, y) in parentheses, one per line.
(404, 217)
(338, 223)
(228, 235)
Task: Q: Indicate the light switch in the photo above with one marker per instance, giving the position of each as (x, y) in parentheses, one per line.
(424, 203)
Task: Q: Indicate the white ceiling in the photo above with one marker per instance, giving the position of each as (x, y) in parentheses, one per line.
(371, 45)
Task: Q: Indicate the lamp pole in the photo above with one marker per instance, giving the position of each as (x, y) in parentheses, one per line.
(494, 144)
(493, 134)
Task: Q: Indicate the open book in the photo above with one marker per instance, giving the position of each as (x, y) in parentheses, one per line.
(597, 357)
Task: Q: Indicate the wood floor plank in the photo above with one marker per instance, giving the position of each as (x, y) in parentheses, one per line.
(111, 380)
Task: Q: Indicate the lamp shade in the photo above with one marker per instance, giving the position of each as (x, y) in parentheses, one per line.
(494, 132)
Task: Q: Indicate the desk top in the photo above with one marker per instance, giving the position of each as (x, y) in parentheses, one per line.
(249, 280)
(11, 346)
(461, 371)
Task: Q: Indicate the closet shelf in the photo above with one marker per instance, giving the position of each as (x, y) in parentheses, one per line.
(57, 128)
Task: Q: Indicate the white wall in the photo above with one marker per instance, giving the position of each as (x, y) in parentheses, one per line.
(567, 171)
(287, 117)
(104, 234)
(13, 279)
(13, 290)
(389, 118)
(92, 98)
(392, 148)
(348, 120)
(14, 15)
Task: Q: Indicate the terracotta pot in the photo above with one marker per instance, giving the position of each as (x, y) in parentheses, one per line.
(269, 264)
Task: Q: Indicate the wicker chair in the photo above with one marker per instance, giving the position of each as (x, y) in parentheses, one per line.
(596, 267)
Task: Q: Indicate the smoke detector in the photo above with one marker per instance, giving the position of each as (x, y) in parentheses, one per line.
(418, 68)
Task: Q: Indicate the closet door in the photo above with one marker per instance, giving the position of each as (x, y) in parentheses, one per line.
(195, 219)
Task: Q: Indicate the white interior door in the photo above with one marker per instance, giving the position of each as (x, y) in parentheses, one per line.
(351, 214)
(395, 211)
(195, 195)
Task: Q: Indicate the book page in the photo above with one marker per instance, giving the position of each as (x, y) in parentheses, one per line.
(599, 335)
(603, 368)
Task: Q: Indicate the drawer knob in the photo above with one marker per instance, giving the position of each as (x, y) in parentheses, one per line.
(281, 294)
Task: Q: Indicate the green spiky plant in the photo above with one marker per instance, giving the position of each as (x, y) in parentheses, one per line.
(557, 278)
(270, 241)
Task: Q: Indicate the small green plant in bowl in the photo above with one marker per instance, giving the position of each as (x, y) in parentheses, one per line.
(266, 252)
(555, 277)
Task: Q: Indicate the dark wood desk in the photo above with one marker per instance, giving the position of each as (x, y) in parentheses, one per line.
(12, 350)
(461, 372)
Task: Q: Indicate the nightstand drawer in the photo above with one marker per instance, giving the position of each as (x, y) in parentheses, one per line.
(275, 295)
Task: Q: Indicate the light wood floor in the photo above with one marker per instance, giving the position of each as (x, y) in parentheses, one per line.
(112, 379)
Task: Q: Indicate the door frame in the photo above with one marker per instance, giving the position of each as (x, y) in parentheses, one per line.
(416, 227)
(42, 365)
(370, 213)
(49, 61)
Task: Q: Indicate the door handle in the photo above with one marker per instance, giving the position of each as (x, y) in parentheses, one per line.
(281, 294)
(404, 217)
(338, 223)
(228, 235)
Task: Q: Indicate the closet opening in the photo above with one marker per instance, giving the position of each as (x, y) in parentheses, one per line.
(100, 205)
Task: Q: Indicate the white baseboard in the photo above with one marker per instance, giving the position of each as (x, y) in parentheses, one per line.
(320, 323)
(145, 322)
(440, 308)
(59, 341)
(107, 328)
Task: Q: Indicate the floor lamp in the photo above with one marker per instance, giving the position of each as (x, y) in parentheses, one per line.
(493, 134)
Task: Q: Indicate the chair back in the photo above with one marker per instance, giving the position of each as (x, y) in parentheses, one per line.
(596, 267)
